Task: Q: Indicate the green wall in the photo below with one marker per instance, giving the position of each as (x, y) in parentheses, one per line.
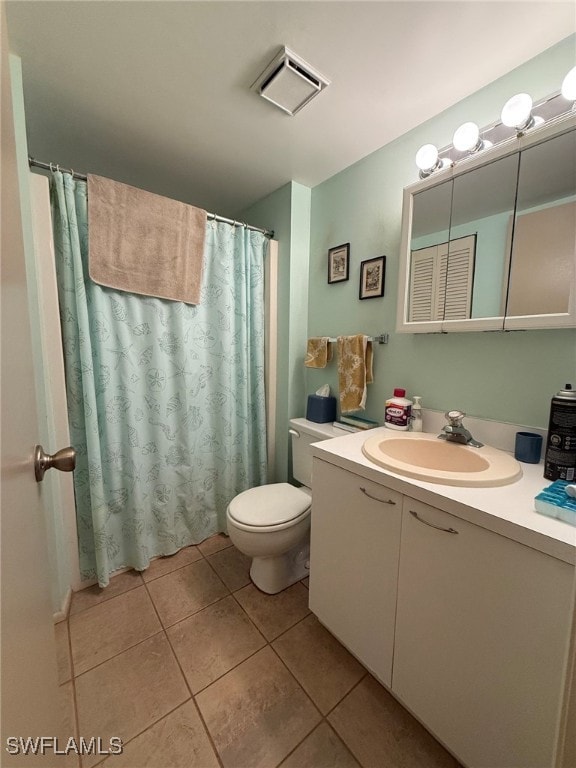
(494, 375)
(287, 212)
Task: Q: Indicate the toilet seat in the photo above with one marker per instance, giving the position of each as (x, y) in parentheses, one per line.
(269, 507)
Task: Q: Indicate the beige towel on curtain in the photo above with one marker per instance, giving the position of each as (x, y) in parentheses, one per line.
(354, 371)
(144, 243)
(318, 352)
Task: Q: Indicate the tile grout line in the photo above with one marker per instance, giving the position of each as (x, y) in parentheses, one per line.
(341, 699)
(144, 581)
(253, 622)
(324, 718)
(115, 656)
(73, 680)
(170, 573)
(324, 721)
(299, 744)
(335, 729)
(128, 647)
(201, 690)
(170, 644)
(148, 727)
(299, 685)
(162, 629)
(346, 747)
(254, 625)
(305, 692)
(192, 697)
(178, 568)
(219, 576)
(267, 642)
(356, 684)
(194, 613)
(106, 599)
(210, 605)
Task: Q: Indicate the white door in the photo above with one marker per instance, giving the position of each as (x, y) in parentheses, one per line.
(30, 696)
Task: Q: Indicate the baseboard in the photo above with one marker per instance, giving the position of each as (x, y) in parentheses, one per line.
(62, 614)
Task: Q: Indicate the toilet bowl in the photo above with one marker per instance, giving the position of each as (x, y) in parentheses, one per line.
(271, 523)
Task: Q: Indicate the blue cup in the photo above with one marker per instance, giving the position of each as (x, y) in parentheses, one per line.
(528, 447)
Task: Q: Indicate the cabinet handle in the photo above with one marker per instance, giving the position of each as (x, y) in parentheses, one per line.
(438, 527)
(382, 501)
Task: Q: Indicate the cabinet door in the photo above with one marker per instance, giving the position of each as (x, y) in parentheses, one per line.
(481, 638)
(355, 542)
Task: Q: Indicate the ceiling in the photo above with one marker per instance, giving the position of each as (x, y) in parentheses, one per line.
(157, 94)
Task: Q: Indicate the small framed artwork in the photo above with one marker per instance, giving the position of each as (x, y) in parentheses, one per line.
(372, 278)
(339, 263)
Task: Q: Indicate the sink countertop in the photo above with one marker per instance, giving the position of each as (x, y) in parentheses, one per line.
(507, 509)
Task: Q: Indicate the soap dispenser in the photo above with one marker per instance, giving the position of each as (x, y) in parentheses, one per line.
(416, 423)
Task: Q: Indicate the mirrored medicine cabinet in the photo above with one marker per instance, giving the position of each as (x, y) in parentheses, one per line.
(490, 243)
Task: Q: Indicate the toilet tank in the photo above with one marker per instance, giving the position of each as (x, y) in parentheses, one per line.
(304, 433)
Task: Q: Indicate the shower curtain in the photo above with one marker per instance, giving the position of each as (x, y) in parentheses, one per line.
(166, 400)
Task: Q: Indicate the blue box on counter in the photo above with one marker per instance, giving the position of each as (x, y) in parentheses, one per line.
(553, 501)
(321, 409)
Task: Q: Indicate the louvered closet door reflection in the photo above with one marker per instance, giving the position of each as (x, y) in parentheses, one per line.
(441, 285)
(423, 285)
(457, 284)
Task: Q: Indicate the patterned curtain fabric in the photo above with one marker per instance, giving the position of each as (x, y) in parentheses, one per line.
(166, 400)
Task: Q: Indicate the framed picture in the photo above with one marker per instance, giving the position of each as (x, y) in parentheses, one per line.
(372, 277)
(339, 263)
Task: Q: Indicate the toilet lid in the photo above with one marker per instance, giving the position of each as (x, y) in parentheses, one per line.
(269, 505)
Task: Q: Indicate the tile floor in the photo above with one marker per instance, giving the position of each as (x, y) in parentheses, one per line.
(193, 667)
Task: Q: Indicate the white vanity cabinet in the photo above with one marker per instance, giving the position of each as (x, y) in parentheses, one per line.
(466, 627)
(354, 549)
(480, 643)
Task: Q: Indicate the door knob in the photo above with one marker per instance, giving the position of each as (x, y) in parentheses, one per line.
(64, 460)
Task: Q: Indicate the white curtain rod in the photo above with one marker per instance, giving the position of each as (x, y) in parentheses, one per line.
(212, 216)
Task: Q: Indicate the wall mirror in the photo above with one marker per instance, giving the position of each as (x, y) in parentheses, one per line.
(543, 257)
(428, 250)
(489, 244)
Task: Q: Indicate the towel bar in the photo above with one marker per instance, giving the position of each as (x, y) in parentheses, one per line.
(381, 339)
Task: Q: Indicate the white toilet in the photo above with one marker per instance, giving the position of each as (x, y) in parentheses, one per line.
(271, 523)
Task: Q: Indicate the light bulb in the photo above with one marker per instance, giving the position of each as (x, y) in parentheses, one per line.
(467, 138)
(569, 85)
(427, 158)
(517, 112)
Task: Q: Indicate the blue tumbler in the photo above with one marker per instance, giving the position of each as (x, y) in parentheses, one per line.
(528, 447)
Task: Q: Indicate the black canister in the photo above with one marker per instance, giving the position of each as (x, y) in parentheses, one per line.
(560, 461)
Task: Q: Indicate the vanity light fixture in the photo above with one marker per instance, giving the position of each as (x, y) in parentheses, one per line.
(569, 85)
(517, 113)
(516, 118)
(428, 160)
(467, 139)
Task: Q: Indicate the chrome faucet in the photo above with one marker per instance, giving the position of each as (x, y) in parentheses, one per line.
(455, 432)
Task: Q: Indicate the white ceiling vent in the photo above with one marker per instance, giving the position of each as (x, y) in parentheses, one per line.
(289, 82)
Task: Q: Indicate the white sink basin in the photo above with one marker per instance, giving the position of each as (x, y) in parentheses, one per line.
(426, 457)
